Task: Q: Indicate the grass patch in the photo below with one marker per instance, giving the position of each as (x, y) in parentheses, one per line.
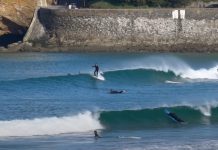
(115, 4)
(108, 5)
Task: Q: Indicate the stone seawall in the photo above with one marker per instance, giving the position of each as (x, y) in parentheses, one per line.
(125, 30)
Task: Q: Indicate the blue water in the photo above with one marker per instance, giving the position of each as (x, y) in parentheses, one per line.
(51, 101)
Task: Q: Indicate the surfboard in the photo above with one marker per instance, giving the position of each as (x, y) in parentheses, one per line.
(99, 77)
(172, 82)
(129, 137)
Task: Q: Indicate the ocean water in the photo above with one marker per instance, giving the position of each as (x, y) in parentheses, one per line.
(51, 101)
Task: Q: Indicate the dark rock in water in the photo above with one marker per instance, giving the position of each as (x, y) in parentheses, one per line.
(27, 44)
(12, 45)
(15, 47)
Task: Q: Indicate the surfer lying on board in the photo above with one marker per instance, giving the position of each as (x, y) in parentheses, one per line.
(174, 117)
(96, 134)
(117, 92)
(96, 70)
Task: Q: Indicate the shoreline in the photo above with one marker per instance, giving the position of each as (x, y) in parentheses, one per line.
(24, 47)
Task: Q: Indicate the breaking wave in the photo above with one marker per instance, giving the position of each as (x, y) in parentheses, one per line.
(82, 122)
(111, 120)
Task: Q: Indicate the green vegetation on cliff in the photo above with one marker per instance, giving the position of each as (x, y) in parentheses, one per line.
(140, 3)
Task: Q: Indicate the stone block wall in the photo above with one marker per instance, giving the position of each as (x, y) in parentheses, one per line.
(126, 30)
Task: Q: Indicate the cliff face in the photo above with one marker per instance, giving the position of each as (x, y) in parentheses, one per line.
(15, 18)
(15, 15)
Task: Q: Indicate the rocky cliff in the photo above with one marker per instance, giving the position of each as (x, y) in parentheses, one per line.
(15, 18)
(15, 14)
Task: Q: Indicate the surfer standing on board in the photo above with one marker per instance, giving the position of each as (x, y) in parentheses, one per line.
(96, 70)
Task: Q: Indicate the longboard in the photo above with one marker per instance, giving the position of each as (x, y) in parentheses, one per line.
(99, 77)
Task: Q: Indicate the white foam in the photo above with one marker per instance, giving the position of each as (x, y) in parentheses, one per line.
(82, 122)
(205, 109)
(130, 137)
(182, 69)
(203, 73)
(171, 63)
(182, 145)
(172, 82)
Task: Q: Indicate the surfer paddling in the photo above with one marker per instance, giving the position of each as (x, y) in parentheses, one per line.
(96, 70)
(174, 117)
(117, 92)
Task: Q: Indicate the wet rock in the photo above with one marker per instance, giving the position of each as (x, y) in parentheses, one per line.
(3, 49)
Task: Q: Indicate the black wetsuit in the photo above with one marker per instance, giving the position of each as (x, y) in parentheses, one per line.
(96, 70)
(116, 92)
(96, 134)
(173, 115)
